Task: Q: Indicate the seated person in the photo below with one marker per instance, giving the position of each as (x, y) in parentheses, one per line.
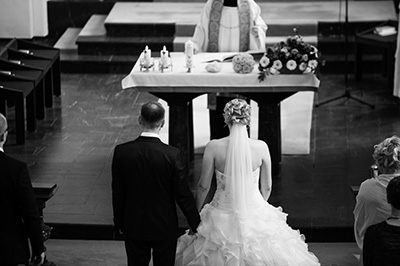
(371, 204)
(382, 240)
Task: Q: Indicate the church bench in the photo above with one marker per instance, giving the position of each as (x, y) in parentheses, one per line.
(41, 52)
(14, 56)
(22, 94)
(15, 72)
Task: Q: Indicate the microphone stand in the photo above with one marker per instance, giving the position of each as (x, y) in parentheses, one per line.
(347, 92)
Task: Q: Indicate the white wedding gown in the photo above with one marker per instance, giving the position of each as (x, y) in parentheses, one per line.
(261, 237)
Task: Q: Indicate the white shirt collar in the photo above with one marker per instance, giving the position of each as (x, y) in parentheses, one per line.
(150, 134)
(1, 149)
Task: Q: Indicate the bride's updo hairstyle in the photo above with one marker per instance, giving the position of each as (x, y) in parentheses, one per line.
(237, 111)
(387, 155)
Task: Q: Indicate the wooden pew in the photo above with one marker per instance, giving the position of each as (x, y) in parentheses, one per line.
(22, 94)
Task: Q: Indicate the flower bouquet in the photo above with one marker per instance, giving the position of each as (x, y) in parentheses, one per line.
(293, 56)
(243, 63)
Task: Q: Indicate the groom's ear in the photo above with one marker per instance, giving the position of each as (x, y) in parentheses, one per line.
(140, 120)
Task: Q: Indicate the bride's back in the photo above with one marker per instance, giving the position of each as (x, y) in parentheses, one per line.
(220, 153)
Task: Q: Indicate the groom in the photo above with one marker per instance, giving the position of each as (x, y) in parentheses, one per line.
(148, 177)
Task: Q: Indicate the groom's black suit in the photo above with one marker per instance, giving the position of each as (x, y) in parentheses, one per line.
(20, 217)
(148, 177)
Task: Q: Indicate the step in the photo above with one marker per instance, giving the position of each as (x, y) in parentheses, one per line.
(94, 39)
(104, 45)
(67, 41)
(308, 29)
(179, 41)
(72, 62)
(94, 26)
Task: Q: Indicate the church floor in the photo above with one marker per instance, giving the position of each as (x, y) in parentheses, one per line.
(106, 253)
(73, 147)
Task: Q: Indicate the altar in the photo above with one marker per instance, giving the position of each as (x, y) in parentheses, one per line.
(178, 87)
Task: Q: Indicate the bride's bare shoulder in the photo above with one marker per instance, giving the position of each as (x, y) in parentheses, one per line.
(217, 142)
(216, 145)
(258, 144)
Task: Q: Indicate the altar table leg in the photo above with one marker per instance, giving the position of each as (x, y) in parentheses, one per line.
(179, 131)
(218, 129)
(191, 133)
(269, 130)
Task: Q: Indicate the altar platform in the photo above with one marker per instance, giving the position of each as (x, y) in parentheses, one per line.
(113, 34)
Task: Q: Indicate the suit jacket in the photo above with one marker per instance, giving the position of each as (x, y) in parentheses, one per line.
(148, 179)
(20, 216)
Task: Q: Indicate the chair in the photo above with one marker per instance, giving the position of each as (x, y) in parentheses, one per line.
(387, 43)
(20, 93)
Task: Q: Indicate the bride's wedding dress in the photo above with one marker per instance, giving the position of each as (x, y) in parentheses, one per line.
(248, 232)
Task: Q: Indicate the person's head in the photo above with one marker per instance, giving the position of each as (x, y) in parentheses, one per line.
(237, 111)
(387, 155)
(152, 116)
(393, 192)
(3, 130)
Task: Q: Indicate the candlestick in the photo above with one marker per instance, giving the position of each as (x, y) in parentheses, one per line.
(164, 58)
(147, 56)
(189, 54)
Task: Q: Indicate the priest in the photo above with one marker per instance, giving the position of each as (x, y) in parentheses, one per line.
(228, 26)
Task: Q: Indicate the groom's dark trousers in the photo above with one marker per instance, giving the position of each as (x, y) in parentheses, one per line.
(148, 179)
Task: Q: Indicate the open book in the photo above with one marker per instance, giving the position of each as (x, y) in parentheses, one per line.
(227, 57)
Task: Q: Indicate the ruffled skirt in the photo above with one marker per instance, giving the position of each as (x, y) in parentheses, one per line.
(262, 238)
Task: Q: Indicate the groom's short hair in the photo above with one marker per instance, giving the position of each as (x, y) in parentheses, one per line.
(152, 114)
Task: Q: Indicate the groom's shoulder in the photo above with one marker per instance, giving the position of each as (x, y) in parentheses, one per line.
(126, 145)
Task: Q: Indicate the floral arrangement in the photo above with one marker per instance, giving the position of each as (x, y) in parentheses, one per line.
(243, 63)
(293, 56)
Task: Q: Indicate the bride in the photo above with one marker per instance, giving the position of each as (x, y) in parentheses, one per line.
(239, 227)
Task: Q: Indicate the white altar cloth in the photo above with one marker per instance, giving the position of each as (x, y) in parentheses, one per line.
(178, 79)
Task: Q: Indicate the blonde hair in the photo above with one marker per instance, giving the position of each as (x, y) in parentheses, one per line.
(237, 111)
(387, 155)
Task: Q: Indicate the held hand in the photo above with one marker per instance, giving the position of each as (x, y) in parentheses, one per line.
(38, 260)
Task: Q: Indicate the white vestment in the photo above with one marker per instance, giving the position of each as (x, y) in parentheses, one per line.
(229, 29)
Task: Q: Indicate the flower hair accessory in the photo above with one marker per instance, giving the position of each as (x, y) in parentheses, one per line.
(237, 111)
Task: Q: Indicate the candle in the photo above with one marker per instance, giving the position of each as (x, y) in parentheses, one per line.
(189, 53)
(164, 57)
(147, 55)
